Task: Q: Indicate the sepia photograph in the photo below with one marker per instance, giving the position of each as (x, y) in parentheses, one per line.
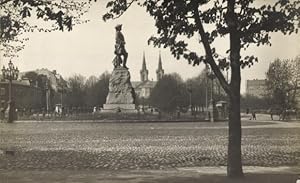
(149, 91)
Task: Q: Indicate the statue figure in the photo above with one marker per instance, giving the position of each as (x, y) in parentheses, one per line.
(120, 48)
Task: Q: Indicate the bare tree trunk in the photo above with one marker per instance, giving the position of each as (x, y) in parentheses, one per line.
(234, 167)
(234, 162)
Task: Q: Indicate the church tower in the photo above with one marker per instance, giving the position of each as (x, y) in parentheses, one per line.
(159, 71)
(144, 72)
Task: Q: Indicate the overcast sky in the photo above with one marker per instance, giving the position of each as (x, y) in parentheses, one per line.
(88, 49)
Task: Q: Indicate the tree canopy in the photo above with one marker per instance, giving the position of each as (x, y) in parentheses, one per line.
(17, 15)
(96, 90)
(86, 93)
(169, 93)
(75, 96)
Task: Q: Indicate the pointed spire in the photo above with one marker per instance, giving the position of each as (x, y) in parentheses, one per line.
(144, 72)
(144, 62)
(159, 62)
(159, 71)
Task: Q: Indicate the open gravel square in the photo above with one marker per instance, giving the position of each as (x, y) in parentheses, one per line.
(141, 146)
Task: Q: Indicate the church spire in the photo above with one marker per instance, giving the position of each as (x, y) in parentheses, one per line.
(144, 62)
(159, 62)
(144, 72)
(159, 71)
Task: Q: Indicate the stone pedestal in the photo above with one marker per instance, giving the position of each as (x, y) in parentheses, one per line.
(121, 95)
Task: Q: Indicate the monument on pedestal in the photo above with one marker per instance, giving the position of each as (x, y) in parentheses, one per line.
(121, 95)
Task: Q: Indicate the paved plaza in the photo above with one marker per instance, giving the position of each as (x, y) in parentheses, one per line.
(113, 147)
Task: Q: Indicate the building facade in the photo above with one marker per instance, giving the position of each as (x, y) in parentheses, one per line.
(25, 96)
(34, 90)
(256, 87)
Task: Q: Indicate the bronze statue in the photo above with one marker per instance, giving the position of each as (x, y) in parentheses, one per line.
(120, 48)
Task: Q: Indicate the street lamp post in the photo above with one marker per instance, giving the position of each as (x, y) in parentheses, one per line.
(11, 73)
(61, 97)
(207, 116)
(212, 109)
(206, 93)
(47, 95)
(190, 89)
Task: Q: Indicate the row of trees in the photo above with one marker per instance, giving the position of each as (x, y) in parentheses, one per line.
(76, 91)
(172, 93)
(86, 92)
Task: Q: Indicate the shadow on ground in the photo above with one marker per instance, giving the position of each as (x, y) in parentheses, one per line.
(249, 178)
(136, 177)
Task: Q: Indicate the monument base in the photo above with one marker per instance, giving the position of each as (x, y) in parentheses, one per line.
(121, 95)
(119, 108)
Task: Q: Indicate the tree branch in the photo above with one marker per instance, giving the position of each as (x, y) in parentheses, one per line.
(208, 51)
(128, 5)
(2, 2)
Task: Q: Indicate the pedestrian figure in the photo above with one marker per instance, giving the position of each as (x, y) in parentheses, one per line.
(118, 110)
(253, 115)
(139, 113)
(178, 114)
(43, 112)
(282, 115)
(271, 113)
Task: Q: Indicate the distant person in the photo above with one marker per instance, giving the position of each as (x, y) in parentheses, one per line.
(2, 110)
(283, 115)
(178, 114)
(56, 110)
(118, 110)
(62, 111)
(44, 112)
(253, 115)
(16, 114)
(271, 114)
